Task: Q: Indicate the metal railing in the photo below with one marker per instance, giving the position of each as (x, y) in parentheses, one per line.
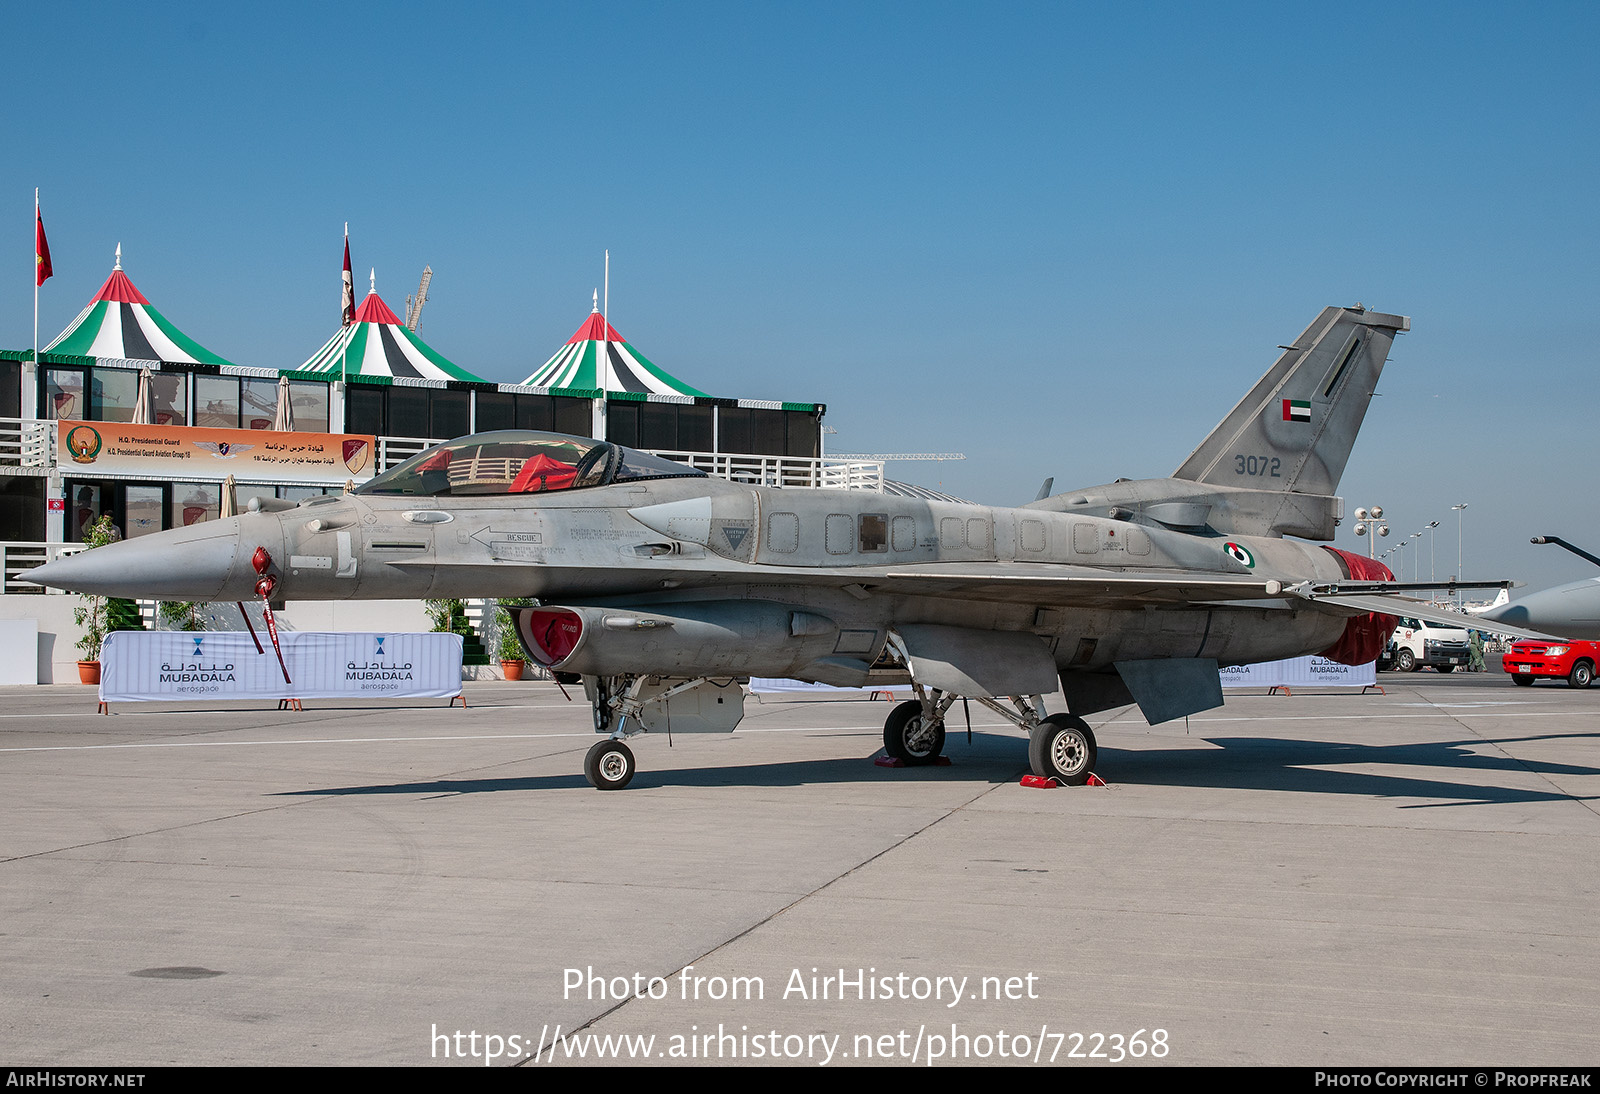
(800, 471)
(26, 443)
(397, 450)
(19, 557)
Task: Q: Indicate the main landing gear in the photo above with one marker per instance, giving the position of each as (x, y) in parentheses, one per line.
(1061, 746)
(915, 736)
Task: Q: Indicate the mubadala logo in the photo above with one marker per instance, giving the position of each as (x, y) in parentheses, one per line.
(378, 668)
(1239, 554)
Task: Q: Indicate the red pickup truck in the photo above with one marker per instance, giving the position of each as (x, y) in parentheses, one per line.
(1573, 660)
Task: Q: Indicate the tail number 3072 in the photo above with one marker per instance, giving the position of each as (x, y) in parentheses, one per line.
(1260, 466)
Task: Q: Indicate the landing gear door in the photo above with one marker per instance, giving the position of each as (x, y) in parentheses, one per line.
(710, 706)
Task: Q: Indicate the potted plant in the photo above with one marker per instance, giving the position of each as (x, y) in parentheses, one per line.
(100, 615)
(450, 617)
(90, 614)
(181, 615)
(508, 645)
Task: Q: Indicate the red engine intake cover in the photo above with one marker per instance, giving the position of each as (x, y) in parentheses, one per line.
(552, 634)
(1364, 635)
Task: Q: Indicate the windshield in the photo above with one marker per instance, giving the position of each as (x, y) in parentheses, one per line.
(517, 461)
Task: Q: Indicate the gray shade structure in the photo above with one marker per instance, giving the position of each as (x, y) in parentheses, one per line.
(661, 586)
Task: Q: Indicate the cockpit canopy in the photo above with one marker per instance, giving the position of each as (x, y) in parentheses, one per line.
(521, 461)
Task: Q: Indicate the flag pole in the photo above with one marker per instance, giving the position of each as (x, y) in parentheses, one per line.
(37, 220)
(346, 308)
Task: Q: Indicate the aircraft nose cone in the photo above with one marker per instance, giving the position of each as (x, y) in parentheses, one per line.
(183, 564)
(1571, 611)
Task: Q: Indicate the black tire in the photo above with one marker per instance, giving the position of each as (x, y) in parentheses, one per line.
(609, 765)
(1445, 668)
(1063, 748)
(1581, 676)
(907, 739)
(1405, 660)
(1522, 679)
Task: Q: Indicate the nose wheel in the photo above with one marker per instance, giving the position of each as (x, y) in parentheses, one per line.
(609, 765)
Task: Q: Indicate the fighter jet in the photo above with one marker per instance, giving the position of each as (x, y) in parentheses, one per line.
(1570, 611)
(663, 587)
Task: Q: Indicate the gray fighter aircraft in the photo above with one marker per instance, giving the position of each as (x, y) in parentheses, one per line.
(663, 587)
(1570, 611)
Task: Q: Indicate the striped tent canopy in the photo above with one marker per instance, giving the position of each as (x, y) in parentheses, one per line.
(578, 364)
(120, 323)
(378, 344)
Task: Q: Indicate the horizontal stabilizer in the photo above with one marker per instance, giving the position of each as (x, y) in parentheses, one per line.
(1421, 609)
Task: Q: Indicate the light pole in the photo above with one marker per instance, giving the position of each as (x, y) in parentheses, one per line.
(1416, 559)
(1368, 520)
(1458, 509)
(1432, 525)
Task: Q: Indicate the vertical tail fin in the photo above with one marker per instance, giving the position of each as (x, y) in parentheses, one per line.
(1294, 430)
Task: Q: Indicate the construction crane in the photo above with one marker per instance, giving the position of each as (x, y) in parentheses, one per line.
(414, 305)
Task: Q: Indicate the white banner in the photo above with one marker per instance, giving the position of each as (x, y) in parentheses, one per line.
(1301, 672)
(157, 665)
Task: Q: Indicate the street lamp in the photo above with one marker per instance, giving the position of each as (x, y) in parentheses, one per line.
(1458, 509)
(1431, 526)
(1368, 520)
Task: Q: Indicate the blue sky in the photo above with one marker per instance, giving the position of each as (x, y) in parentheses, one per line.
(1060, 238)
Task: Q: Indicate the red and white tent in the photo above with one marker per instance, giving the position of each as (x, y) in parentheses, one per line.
(378, 344)
(119, 323)
(597, 358)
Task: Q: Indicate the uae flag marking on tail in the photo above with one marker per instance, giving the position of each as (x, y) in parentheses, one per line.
(1296, 410)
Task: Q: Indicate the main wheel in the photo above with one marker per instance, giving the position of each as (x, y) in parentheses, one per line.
(1581, 676)
(1405, 660)
(909, 738)
(1063, 748)
(1522, 679)
(609, 765)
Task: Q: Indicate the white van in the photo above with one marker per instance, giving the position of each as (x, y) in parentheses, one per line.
(1416, 643)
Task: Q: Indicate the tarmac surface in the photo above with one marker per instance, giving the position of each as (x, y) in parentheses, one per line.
(1318, 879)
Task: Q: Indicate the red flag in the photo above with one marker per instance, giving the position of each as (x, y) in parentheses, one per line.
(41, 250)
(349, 284)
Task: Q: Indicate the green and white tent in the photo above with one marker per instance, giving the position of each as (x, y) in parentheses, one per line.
(378, 344)
(120, 324)
(596, 357)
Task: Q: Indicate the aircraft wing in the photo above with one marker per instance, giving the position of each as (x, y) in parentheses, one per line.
(1013, 582)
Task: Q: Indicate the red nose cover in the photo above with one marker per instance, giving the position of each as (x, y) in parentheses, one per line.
(553, 634)
(1364, 635)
